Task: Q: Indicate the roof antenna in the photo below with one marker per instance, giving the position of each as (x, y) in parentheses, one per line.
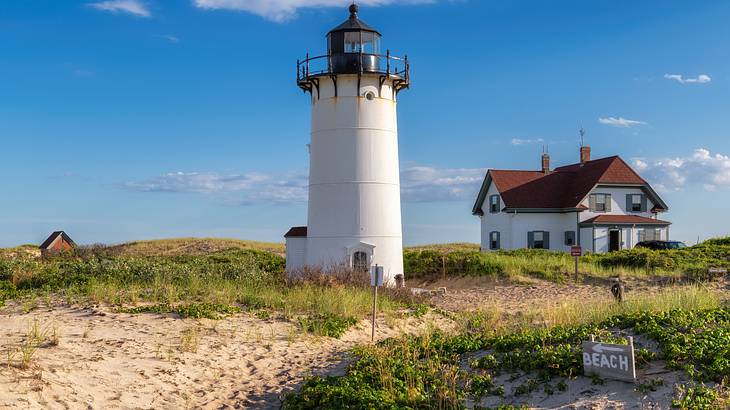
(582, 133)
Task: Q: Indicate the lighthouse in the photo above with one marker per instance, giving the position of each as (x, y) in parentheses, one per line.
(354, 212)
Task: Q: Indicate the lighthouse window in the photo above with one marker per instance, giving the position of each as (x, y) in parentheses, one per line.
(352, 42)
(360, 261)
(370, 43)
(370, 95)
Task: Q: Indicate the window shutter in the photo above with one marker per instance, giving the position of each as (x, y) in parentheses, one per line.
(530, 239)
(499, 203)
(546, 240)
(608, 202)
(499, 240)
(643, 203)
(629, 203)
(592, 202)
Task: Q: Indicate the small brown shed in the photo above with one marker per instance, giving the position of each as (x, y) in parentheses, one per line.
(58, 242)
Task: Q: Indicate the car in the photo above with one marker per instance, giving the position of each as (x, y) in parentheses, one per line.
(661, 245)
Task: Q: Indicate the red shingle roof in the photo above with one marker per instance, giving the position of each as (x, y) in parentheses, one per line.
(563, 188)
(623, 220)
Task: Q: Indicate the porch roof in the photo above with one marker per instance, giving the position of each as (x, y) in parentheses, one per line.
(602, 220)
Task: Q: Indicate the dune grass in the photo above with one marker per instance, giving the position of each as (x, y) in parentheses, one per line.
(434, 263)
(444, 371)
(192, 246)
(573, 312)
(454, 260)
(190, 285)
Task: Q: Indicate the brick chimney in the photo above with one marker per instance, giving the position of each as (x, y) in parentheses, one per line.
(585, 154)
(546, 163)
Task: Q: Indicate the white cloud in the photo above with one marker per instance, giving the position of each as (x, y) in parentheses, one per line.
(701, 168)
(620, 122)
(283, 10)
(418, 184)
(135, 7)
(169, 38)
(519, 141)
(428, 184)
(700, 79)
(206, 182)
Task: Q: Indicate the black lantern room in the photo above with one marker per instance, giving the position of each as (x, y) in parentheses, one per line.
(353, 47)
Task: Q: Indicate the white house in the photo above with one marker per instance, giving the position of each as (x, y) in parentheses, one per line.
(601, 205)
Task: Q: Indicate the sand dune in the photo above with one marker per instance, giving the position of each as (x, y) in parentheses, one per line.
(111, 360)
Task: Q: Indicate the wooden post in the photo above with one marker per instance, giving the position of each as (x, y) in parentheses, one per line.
(443, 266)
(576, 269)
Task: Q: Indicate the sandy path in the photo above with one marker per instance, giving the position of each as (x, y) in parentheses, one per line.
(140, 361)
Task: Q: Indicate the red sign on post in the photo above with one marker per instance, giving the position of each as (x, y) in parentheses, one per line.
(576, 251)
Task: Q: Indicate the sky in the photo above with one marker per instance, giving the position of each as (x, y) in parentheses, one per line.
(125, 120)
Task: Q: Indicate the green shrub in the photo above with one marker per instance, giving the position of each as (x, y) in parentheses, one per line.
(327, 325)
(427, 371)
(426, 263)
(193, 310)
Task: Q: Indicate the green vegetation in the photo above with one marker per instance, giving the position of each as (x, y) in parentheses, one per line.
(199, 286)
(327, 325)
(693, 261)
(213, 311)
(463, 260)
(553, 266)
(427, 371)
(193, 246)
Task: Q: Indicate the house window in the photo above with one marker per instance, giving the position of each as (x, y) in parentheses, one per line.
(539, 240)
(570, 238)
(360, 261)
(636, 200)
(649, 234)
(600, 202)
(494, 204)
(494, 240)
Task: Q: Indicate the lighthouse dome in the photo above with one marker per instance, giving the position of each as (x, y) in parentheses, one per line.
(353, 23)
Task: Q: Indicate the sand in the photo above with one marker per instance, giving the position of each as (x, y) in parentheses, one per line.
(105, 359)
(111, 360)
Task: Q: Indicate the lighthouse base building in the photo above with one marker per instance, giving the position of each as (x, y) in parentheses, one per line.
(354, 213)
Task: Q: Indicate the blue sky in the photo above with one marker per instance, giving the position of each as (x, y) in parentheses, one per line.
(130, 119)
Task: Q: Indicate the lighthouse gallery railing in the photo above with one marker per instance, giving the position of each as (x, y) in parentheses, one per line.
(387, 65)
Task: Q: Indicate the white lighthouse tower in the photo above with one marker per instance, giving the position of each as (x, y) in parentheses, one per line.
(354, 216)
